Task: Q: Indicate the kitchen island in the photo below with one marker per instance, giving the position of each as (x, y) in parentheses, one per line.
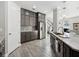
(63, 46)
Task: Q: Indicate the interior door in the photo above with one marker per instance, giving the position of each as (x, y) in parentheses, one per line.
(13, 26)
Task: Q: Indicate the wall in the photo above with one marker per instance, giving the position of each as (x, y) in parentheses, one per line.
(2, 18)
(71, 21)
(72, 9)
(49, 16)
(70, 14)
(12, 26)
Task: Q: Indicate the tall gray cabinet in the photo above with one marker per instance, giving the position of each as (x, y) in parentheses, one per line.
(28, 18)
(28, 21)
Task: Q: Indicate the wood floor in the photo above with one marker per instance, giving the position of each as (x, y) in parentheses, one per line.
(36, 48)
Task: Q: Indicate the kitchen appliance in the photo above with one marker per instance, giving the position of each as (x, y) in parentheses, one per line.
(58, 47)
(66, 32)
(41, 30)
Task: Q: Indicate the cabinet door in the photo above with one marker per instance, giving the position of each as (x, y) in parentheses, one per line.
(23, 37)
(27, 35)
(52, 41)
(27, 20)
(66, 50)
(32, 21)
(22, 11)
(41, 17)
(22, 20)
(34, 35)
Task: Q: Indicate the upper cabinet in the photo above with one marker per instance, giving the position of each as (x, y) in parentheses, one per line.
(28, 18)
(41, 17)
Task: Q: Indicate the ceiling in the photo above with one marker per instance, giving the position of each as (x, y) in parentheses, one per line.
(43, 6)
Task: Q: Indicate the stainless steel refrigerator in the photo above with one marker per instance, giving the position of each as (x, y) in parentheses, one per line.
(41, 30)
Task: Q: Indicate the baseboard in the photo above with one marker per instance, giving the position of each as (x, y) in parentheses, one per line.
(7, 54)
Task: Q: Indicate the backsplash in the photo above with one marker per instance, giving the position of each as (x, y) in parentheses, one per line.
(27, 28)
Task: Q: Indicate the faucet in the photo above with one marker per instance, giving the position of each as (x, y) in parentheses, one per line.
(61, 29)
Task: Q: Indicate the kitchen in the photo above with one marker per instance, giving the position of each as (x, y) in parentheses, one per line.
(39, 28)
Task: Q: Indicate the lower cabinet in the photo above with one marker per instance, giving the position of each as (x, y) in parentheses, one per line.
(23, 37)
(34, 35)
(52, 42)
(59, 47)
(74, 53)
(28, 36)
(66, 50)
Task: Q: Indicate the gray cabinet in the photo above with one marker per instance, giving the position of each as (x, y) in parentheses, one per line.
(34, 35)
(59, 48)
(22, 11)
(28, 36)
(22, 20)
(23, 38)
(66, 50)
(28, 18)
(32, 21)
(41, 17)
(52, 41)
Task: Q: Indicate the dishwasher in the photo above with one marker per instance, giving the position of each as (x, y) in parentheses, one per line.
(58, 47)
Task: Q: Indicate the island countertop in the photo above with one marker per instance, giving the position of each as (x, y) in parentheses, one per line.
(72, 41)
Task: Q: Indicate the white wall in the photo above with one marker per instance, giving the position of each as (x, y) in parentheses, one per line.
(49, 16)
(72, 9)
(2, 18)
(71, 21)
(71, 14)
(13, 24)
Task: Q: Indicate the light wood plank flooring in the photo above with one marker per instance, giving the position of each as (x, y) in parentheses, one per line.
(36, 48)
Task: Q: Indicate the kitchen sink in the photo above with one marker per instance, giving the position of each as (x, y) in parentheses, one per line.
(57, 33)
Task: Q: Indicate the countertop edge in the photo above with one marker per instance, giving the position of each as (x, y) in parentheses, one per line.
(76, 49)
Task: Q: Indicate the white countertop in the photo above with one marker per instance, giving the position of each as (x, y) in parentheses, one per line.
(72, 41)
